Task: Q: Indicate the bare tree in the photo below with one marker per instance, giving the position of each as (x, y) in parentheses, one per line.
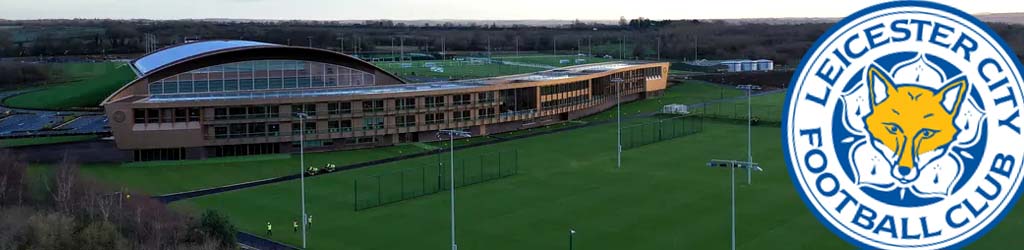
(12, 179)
(64, 180)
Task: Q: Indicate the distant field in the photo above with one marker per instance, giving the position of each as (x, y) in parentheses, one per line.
(471, 68)
(688, 92)
(765, 107)
(554, 61)
(86, 85)
(451, 69)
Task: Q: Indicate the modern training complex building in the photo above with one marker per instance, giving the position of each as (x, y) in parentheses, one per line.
(230, 97)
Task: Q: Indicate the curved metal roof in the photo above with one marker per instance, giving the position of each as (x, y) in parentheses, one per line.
(166, 56)
(197, 55)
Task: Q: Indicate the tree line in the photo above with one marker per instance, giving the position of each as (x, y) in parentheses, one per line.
(57, 208)
(643, 38)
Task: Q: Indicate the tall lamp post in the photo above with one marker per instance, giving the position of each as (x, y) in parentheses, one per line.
(750, 156)
(451, 142)
(302, 174)
(572, 232)
(618, 120)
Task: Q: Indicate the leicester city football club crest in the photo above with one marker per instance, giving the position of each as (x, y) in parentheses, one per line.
(902, 127)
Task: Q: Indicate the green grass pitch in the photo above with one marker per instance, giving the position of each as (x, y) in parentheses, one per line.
(662, 198)
(87, 84)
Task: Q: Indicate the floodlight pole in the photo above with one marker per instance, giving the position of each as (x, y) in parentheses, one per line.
(302, 175)
(750, 155)
(618, 120)
(732, 179)
(572, 232)
(451, 137)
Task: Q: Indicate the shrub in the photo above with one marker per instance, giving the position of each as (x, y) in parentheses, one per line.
(217, 226)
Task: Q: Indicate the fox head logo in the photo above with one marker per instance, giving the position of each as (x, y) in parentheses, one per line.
(911, 125)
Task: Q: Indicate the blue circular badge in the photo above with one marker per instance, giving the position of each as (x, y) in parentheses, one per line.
(902, 127)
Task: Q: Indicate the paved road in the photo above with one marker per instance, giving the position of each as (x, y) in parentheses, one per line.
(24, 124)
(86, 125)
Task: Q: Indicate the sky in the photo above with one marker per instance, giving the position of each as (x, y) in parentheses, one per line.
(456, 9)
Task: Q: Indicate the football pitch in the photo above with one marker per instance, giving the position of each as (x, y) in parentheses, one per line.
(82, 85)
(471, 68)
(663, 197)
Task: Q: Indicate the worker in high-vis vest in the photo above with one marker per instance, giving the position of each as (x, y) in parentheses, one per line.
(295, 225)
(309, 223)
(269, 229)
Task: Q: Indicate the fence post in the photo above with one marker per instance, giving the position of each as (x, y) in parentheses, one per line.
(355, 195)
(515, 158)
(674, 132)
(423, 181)
(401, 180)
(440, 176)
(661, 129)
(380, 194)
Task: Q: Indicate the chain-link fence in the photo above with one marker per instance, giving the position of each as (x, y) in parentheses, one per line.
(660, 130)
(386, 188)
(761, 113)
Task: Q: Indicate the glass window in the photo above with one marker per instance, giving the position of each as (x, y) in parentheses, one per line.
(406, 120)
(201, 86)
(485, 97)
(261, 83)
(139, 115)
(231, 85)
(290, 82)
(185, 87)
(303, 82)
(310, 109)
(435, 118)
(180, 115)
(461, 115)
(152, 115)
(373, 106)
(370, 123)
(156, 88)
(275, 83)
(435, 101)
(236, 130)
(406, 103)
(460, 99)
(220, 113)
(193, 114)
(220, 132)
(273, 129)
(485, 113)
(310, 127)
(170, 87)
(345, 107)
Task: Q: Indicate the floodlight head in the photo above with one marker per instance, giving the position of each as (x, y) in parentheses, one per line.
(302, 115)
(453, 133)
(572, 231)
(617, 80)
(748, 87)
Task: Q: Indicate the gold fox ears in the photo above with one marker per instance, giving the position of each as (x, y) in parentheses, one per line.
(881, 86)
